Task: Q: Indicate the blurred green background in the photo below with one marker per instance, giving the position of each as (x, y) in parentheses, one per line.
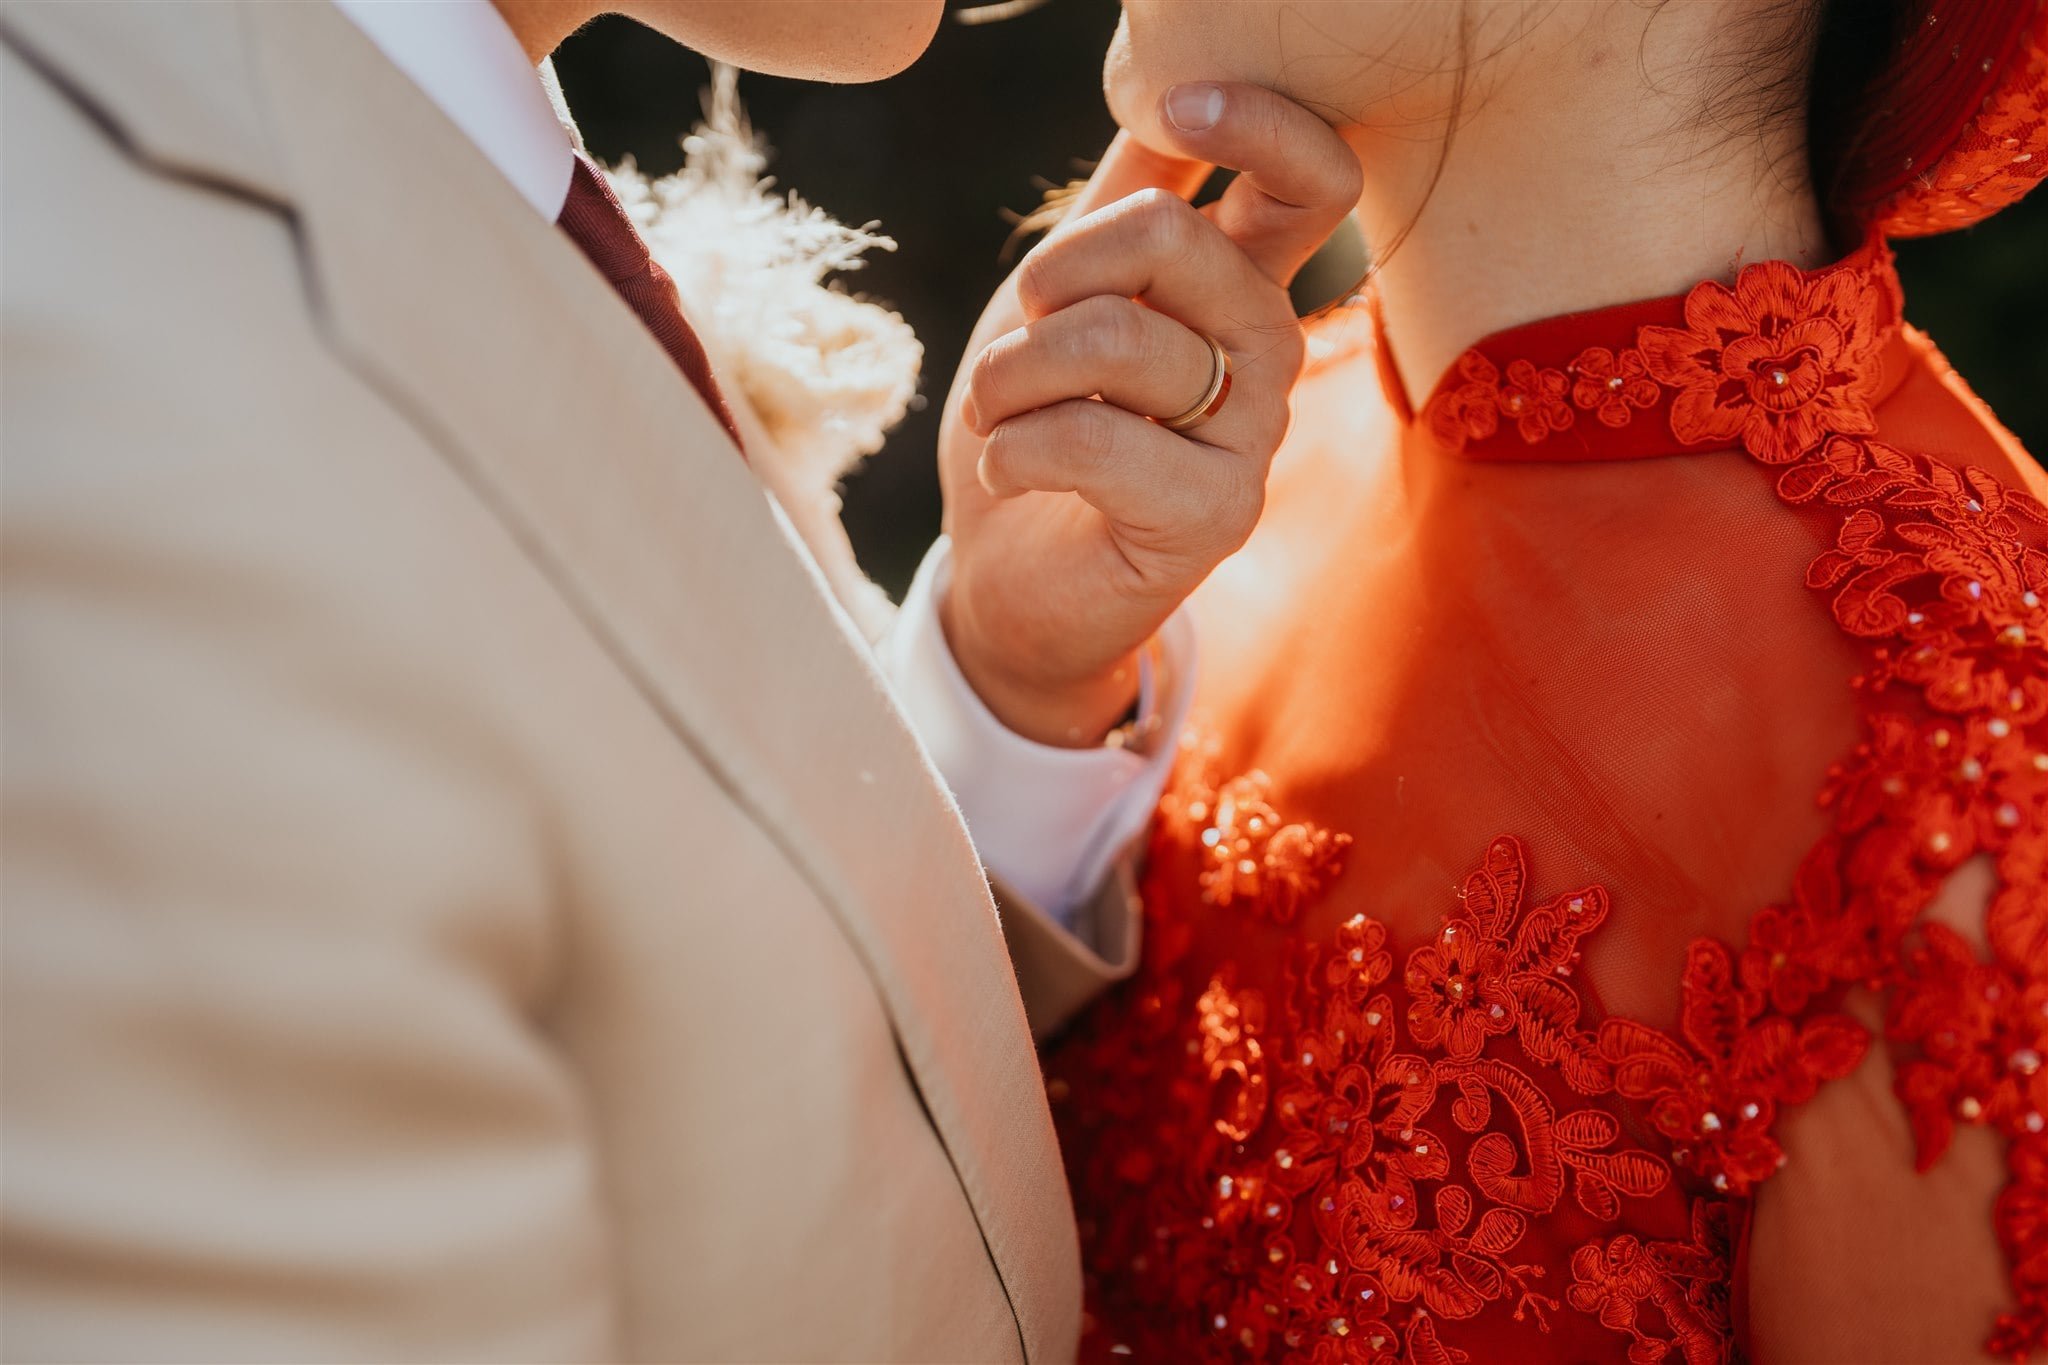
(937, 153)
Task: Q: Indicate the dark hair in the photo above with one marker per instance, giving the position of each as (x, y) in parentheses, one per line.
(1856, 38)
(1809, 72)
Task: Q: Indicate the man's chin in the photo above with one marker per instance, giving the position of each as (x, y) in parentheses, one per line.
(833, 41)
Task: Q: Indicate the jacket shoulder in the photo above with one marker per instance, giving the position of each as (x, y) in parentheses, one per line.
(174, 85)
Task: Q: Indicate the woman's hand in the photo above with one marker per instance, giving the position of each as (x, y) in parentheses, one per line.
(1078, 524)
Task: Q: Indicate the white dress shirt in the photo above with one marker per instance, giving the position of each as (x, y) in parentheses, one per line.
(1048, 821)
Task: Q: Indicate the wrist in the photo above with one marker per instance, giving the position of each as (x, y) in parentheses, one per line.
(1068, 711)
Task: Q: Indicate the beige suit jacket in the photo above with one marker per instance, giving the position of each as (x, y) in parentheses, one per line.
(466, 891)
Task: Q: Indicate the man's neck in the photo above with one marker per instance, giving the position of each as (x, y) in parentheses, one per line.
(1547, 204)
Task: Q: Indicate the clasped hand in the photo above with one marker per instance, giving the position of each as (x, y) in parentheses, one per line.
(1079, 524)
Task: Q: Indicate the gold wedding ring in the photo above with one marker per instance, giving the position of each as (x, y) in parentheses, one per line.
(1211, 401)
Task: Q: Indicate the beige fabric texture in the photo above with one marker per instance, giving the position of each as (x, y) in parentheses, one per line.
(466, 893)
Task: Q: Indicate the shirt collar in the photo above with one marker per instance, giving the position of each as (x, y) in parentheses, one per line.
(463, 57)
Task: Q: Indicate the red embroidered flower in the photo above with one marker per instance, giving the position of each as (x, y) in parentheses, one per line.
(1941, 791)
(1361, 961)
(1793, 946)
(1363, 1121)
(1457, 991)
(1372, 1343)
(1611, 1280)
(1468, 410)
(1971, 497)
(1864, 574)
(1775, 363)
(1983, 1038)
(1683, 1281)
(1610, 386)
(1980, 646)
(1714, 1093)
(1384, 1182)
(1253, 857)
(1534, 400)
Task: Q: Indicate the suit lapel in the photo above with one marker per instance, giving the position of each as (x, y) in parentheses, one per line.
(442, 288)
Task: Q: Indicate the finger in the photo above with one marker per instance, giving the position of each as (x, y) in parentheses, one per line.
(1129, 166)
(1297, 178)
(1129, 355)
(1203, 502)
(1133, 357)
(1157, 247)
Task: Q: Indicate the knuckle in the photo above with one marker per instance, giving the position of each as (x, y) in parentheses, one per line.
(999, 453)
(985, 377)
(1090, 431)
(1218, 511)
(1036, 278)
(1165, 223)
(1244, 502)
(1276, 365)
(1270, 424)
(1268, 413)
(1106, 329)
(1346, 179)
(1014, 453)
(1290, 347)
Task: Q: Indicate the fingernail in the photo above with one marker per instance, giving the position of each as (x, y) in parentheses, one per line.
(1194, 108)
(970, 414)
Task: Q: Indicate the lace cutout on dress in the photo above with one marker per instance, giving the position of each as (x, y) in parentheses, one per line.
(1363, 1172)
(1940, 570)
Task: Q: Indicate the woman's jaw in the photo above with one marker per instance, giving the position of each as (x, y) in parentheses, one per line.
(1590, 164)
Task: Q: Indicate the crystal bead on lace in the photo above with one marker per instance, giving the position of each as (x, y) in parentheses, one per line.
(1347, 1170)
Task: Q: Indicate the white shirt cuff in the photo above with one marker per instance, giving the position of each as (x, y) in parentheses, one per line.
(1049, 821)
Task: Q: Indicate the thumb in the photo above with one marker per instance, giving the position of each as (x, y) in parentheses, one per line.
(1299, 177)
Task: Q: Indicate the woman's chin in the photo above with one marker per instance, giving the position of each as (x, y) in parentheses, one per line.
(1132, 95)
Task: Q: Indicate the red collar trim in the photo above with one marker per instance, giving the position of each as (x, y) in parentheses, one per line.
(1773, 364)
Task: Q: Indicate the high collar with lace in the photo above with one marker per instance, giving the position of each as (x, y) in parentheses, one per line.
(1770, 365)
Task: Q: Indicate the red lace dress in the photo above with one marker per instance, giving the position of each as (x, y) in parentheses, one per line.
(1611, 856)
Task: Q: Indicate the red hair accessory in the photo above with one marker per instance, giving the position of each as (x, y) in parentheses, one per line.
(1955, 126)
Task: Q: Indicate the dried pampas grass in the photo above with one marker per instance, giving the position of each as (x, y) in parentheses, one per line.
(828, 373)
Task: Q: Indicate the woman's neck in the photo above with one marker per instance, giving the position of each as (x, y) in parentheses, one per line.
(1598, 190)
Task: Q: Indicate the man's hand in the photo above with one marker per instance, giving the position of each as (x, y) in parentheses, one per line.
(1078, 524)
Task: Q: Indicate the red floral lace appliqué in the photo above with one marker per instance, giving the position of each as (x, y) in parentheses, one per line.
(1349, 1172)
(1612, 386)
(1773, 365)
(1250, 856)
(1935, 565)
(1940, 570)
(1686, 1281)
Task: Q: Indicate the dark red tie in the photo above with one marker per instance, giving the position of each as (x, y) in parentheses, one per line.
(595, 221)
